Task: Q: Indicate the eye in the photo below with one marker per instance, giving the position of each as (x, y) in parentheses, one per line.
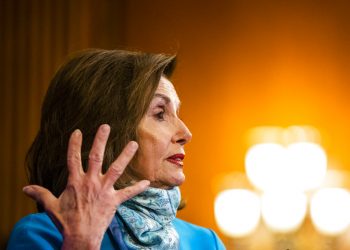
(160, 115)
(159, 112)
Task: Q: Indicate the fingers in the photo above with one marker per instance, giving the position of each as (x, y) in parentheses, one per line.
(129, 192)
(74, 154)
(117, 167)
(97, 150)
(41, 195)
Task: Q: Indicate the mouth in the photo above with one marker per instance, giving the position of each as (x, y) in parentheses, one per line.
(176, 159)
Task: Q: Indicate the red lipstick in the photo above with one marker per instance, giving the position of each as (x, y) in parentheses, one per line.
(176, 159)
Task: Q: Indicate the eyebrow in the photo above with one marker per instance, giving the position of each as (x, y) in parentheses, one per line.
(164, 97)
(167, 99)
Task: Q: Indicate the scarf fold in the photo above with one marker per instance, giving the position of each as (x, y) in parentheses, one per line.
(145, 221)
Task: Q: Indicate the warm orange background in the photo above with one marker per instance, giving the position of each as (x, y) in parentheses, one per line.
(241, 64)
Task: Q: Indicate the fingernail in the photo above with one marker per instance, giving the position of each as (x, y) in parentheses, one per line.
(77, 133)
(133, 145)
(26, 189)
(146, 183)
(105, 128)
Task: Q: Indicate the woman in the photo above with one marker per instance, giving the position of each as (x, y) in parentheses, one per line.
(105, 203)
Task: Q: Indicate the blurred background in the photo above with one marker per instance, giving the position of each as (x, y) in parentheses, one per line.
(254, 77)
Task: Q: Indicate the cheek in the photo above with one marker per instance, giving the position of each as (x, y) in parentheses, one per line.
(154, 136)
(153, 148)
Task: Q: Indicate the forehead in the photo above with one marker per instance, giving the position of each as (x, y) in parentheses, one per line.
(167, 89)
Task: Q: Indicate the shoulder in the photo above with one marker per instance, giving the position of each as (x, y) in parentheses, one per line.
(196, 237)
(35, 231)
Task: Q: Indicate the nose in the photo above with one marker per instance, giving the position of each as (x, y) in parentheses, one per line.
(183, 135)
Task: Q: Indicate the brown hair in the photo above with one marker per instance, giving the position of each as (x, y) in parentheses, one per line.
(92, 88)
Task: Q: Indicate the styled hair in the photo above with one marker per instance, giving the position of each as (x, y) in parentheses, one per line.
(93, 87)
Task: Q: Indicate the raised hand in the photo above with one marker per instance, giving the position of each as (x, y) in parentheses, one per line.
(86, 207)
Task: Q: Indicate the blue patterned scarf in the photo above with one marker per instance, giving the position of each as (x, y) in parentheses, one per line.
(145, 220)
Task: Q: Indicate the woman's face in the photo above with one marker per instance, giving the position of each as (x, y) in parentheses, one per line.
(162, 136)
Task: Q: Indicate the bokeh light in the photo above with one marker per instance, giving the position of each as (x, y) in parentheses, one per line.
(237, 212)
(288, 169)
(284, 211)
(299, 166)
(264, 163)
(329, 209)
(308, 165)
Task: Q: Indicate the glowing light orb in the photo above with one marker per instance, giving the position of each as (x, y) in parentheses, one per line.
(264, 163)
(329, 209)
(284, 211)
(237, 212)
(308, 165)
(299, 166)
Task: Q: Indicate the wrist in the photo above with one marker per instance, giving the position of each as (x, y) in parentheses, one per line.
(88, 242)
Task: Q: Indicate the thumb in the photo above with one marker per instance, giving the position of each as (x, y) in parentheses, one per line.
(40, 195)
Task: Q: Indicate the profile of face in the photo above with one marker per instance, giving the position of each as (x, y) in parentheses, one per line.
(162, 136)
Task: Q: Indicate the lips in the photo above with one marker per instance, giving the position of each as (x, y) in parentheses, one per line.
(176, 159)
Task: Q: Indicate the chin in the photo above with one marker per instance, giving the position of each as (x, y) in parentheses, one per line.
(178, 180)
